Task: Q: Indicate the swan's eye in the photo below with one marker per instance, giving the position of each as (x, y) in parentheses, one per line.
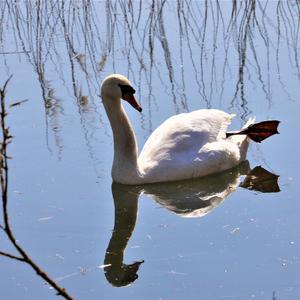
(127, 95)
(127, 89)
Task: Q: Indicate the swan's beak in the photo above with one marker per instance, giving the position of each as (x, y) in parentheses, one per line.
(131, 100)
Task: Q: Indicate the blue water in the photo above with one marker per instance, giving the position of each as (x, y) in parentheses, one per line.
(63, 208)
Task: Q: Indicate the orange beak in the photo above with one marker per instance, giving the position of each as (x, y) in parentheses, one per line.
(131, 100)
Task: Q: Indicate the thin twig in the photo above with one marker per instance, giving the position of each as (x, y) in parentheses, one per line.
(14, 52)
(18, 103)
(11, 256)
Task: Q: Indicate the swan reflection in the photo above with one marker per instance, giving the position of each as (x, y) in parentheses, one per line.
(192, 198)
(198, 197)
(126, 205)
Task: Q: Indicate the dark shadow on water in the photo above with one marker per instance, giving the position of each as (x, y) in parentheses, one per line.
(189, 198)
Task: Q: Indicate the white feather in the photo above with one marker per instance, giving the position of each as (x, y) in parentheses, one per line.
(190, 145)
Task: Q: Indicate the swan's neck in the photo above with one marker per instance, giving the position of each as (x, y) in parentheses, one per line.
(125, 165)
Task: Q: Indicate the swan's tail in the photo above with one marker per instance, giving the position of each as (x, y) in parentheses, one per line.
(257, 132)
(241, 139)
(254, 131)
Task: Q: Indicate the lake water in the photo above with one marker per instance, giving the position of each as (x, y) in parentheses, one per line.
(203, 239)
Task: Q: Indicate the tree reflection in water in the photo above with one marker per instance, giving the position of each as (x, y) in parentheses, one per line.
(71, 45)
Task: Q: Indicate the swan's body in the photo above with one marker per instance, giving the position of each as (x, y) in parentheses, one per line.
(191, 145)
(185, 146)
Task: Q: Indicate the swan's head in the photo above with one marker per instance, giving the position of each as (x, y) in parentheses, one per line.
(115, 87)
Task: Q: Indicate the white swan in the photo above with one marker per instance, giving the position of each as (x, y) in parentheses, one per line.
(185, 146)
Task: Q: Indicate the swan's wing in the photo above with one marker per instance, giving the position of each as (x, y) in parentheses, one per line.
(178, 139)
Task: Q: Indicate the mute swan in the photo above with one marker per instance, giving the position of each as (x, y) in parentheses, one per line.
(185, 146)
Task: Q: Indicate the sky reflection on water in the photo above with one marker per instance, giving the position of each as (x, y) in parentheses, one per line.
(181, 55)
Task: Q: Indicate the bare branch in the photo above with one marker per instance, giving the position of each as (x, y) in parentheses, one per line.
(5, 84)
(14, 52)
(18, 103)
(6, 139)
(11, 256)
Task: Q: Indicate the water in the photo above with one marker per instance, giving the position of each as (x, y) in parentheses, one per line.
(180, 56)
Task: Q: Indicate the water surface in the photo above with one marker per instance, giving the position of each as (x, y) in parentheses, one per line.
(207, 238)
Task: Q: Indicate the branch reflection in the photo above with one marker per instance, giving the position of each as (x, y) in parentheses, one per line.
(207, 46)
